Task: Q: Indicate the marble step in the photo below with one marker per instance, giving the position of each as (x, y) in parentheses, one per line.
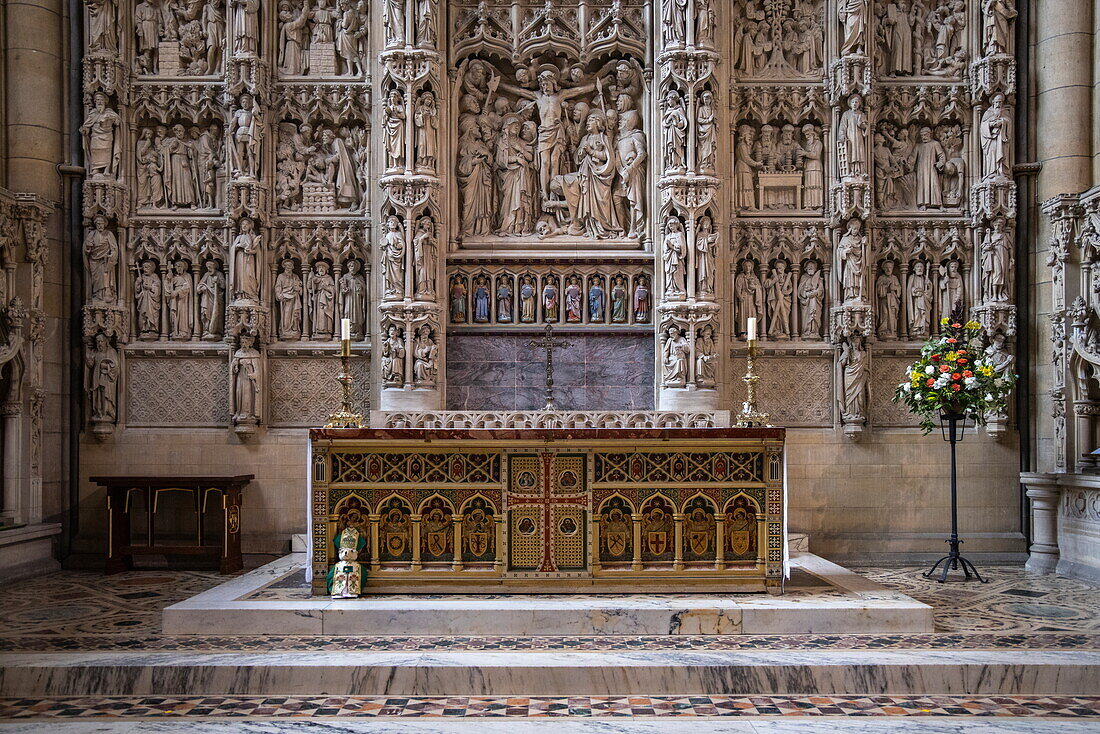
(821, 597)
(482, 673)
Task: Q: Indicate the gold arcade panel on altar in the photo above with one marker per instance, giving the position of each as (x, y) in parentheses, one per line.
(552, 509)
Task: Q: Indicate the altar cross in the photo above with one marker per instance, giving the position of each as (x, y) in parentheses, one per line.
(549, 343)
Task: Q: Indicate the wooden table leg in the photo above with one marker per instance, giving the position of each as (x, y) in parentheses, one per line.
(231, 544)
(118, 532)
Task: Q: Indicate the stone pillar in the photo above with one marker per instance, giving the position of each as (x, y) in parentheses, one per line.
(1042, 490)
(690, 218)
(410, 343)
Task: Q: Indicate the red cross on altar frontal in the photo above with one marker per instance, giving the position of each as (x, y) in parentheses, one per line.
(546, 499)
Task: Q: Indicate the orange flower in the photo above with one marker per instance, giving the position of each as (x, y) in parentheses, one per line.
(956, 376)
(930, 382)
(951, 340)
(956, 326)
(960, 360)
(956, 387)
(962, 351)
(967, 373)
(935, 358)
(944, 368)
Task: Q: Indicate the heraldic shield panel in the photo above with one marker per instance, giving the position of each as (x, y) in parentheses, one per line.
(547, 503)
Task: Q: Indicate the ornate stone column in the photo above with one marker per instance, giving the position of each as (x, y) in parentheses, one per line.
(690, 218)
(410, 342)
(1042, 490)
(852, 321)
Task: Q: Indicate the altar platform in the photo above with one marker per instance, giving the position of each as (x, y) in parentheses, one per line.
(819, 597)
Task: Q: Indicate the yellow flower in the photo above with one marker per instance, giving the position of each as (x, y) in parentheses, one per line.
(945, 320)
(973, 325)
(952, 356)
(986, 370)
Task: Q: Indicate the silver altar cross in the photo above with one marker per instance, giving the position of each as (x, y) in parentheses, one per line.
(549, 343)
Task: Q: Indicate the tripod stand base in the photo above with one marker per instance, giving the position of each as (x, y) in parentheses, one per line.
(953, 561)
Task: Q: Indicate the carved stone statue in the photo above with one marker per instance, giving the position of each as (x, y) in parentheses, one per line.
(103, 373)
(353, 299)
(675, 126)
(706, 356)
(350, 29)
(288, 300)
(951, 288)
(928, 163)
(504, 300)
(180, 302)
(674, 21)
(597, 300)
(211, 290)
(854, 373)
(425, 353)
(527, 300)
(574, 301)
(998, 16)
(425, 257)
(641, 301)
(392, 245)
(101, 260)
(394, 121)
(813, 169)
(673, 257)
(551, 299)
(457, 298)
(321, 291)
(779, 287)
(147, 290)
(676, 352)
(102, 142)
(897, 32)
(852, 137)
(246, 381)
(246, 267)
(811, 299)
(748, 294)
(888, 294)
(394, 22)
(853, 18)
(246, 131)
(482, 300)
(919, 303)
(850, 258)
(246, 26)
(997, 356)
(744, 169)
(994, 135)
(705, 22)
(293, 39)
(102, 26)
(632, 150)
(393, 356)
(425, 23)
(426, 122)
(996, 259)
(475, 179)
(706, 133)
(706, 250)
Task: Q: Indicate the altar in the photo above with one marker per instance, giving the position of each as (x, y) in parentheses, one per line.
(551, 509)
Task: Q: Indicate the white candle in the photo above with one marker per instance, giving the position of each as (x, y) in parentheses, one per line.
(752, 329)
(345, 330)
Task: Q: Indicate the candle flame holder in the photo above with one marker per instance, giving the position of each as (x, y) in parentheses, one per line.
(750, 417)
(345, 417)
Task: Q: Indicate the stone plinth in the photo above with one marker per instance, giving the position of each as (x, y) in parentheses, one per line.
(322, 59)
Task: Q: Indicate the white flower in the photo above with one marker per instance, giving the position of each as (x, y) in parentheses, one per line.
(929, 370)
(907, 387)
(988, 397)
(970, 381)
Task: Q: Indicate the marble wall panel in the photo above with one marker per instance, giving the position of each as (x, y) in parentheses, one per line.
(595, 372)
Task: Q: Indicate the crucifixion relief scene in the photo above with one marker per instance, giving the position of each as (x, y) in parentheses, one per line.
(576, 365)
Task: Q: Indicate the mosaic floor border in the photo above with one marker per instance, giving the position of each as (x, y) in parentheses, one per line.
(271, 643)
(173, 707)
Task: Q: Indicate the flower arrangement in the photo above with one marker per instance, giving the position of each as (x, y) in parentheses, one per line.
(952, 376)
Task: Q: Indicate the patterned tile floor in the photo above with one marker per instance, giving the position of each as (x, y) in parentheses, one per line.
(87, 611)
(75, 611)
(1068, 707)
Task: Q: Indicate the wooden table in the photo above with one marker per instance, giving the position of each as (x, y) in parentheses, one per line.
(121, 551)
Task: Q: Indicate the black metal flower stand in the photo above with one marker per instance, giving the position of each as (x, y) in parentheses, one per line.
(953, 426)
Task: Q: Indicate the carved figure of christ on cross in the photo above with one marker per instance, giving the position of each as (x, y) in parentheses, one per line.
(549, 343)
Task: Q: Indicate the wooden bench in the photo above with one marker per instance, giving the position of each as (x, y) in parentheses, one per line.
(121, 551)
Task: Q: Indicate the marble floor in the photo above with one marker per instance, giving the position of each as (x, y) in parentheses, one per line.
(85, 612)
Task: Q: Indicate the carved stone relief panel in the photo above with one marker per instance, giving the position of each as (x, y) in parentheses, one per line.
(553, 137)
(177, 391)
(178, 38)
(304, 390)
(888, 372)
(778, 40)
(922, 38)
(495, 295)
(794, 391)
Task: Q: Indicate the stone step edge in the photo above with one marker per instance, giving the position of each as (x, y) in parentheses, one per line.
(854, 672)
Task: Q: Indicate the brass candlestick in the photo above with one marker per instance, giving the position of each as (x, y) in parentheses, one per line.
(750, 416)
(345, 417)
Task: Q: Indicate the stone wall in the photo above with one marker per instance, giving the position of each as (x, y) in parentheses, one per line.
(645, 175)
